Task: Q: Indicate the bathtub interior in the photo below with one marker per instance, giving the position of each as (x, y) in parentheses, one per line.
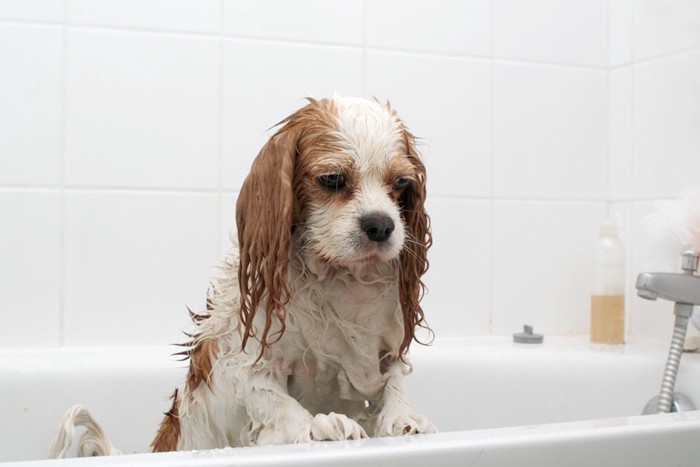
(466, 384)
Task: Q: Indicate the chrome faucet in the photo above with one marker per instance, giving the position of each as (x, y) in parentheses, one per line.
(684, 290)
(679, 288)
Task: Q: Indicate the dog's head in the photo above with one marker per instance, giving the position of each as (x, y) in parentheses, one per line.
(344, 174)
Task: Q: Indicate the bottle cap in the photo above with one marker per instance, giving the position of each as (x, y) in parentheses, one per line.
(527, 336)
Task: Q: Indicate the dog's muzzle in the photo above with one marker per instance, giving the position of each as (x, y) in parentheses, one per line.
(378, 227)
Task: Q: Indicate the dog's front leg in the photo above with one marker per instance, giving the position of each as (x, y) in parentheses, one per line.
(278, 418)
(396, 415)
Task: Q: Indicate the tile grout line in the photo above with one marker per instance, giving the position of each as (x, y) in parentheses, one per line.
(633, 67)
(62, 183)
(608, 94)
(363, 47)
(170, 190)
(629, 314)
(220, 148)
(492, 200)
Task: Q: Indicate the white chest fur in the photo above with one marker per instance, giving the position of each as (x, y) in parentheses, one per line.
(341, 324)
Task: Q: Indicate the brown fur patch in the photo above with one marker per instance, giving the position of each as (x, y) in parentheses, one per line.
(265, 211)
(201, 356)
(414, 257)
(169, 432)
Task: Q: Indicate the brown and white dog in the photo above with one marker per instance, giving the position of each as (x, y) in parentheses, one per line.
(306, 332)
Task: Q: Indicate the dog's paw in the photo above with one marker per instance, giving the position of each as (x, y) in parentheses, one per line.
(407, 424)
(331, 427)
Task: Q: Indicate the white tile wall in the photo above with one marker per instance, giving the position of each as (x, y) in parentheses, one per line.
(30, 271)
(39, 10)
(30, 104)
(572, 32)
(536, 245)
(127, 127)
(665, 26)
(459, 294)
(142, 110)
(134, 262)
(654, 113)
(450, 26)
(620, 154)
(227, 220)
(453, 119)
(550, 132)
(620, 32)
(173, 15)
(265, 82)
(326, 21)
(666, 122)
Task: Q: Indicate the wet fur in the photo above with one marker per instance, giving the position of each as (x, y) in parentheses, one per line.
(302, 341)
(306, 330)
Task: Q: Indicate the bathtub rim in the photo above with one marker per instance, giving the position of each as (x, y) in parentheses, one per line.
(584, 435)
(466, 442)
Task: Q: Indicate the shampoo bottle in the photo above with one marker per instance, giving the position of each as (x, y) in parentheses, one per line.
(608, 291)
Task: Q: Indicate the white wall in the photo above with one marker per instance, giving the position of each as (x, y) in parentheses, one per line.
(654, 109)
(127, 127)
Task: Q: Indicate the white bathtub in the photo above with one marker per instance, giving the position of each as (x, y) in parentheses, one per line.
(495, 402)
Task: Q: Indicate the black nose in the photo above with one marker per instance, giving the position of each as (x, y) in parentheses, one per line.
(378, 227)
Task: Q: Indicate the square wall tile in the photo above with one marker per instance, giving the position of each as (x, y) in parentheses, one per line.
(572, 32)
(30, 104)
(620, 156)
(134, 263)
(266, 82)
(550, 127)
(620, 32)
(452, 26)
(663, 26)
(328, 21)
(142, 110)
(459, 278)
(30, 269)
(446, 103)
(667, 126)
(37, 10)
(174, 15)
(543, 265)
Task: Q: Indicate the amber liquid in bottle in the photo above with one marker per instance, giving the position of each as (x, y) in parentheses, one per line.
(608, 319)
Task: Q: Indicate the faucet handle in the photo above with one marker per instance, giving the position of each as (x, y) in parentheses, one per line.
(690, 261)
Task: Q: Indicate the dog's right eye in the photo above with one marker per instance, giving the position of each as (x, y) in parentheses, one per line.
(333, 182)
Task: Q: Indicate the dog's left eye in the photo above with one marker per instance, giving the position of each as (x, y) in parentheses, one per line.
(401, 183)
(333, 182)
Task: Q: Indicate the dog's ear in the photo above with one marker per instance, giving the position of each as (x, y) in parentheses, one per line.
(414, 256)
(264, 214)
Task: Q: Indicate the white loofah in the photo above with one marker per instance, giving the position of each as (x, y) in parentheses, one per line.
(673, 228)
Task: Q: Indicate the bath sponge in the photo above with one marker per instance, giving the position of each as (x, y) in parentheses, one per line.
(671, 229)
